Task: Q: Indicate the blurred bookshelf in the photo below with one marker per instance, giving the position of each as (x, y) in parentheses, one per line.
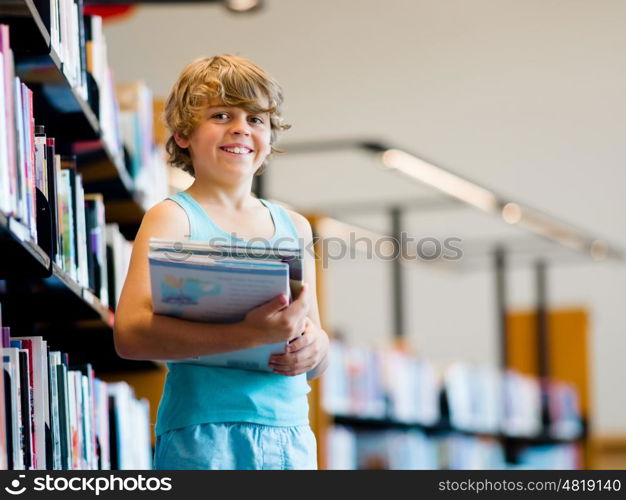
(388, 409)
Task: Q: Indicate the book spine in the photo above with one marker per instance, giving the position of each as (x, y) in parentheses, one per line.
(53, 395)
(9, 415)
(27, 421)
(64, 416)
(10, 119)
(22, 207)
(61, 211)
(5, 166)
(18, 437)
(29, 134)
(52, 195)
(81, 233)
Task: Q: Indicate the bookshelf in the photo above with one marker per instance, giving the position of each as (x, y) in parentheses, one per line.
(514, 449)
(390, 393)
(39, 65)
(70, 308)
(70, 119)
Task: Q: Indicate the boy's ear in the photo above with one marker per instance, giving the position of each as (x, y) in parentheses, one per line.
(180, 141)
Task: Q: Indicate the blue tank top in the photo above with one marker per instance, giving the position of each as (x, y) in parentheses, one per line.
(195, 394)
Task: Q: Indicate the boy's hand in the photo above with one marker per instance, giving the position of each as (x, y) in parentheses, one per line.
(304, 353)
(275, 321)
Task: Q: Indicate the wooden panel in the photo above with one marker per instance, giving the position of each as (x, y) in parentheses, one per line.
(608, 452)
(521, 342)
(567, 342)
(161, 134)
(568, 357)
(320, 421)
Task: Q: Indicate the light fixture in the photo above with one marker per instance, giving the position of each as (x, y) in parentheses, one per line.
(599, 250)
(440, 179)
(482, 198)
(512, 213)
(473, 194)
(242, 5)
(553, 230)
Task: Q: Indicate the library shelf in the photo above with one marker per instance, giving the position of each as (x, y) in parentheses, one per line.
(443, 427)
(35, 291)
(21, 257)
(68, 117)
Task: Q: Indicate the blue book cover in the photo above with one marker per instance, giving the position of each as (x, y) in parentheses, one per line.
(200, 287)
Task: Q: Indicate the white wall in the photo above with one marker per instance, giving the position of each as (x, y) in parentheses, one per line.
(525, 97)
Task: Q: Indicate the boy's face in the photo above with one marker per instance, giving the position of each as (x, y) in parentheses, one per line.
(230, 143)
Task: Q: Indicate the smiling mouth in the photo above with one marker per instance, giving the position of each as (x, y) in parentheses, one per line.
(237, 150)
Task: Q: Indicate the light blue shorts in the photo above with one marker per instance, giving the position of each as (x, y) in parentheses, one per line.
(236, 446)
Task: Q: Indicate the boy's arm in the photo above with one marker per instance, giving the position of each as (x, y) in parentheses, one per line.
(141, 334)
(308, 353)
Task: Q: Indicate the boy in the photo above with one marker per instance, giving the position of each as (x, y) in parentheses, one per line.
(224, 114)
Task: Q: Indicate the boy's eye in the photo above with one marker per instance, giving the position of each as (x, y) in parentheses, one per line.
(256, 119)
(220, 116)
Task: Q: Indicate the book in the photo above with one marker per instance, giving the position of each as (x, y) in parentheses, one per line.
(5, 180)
(11, 362)
(199, 281)
(73, 237)
(64, 415)
(9, 160)
(38, 360)
(54, 360)
(102, 431)
(52, 180)
(118, 251)
(26, 408)
(88, 414)
(96, 246)
(129, 422)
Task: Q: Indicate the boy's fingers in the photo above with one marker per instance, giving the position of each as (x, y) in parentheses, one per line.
(274, 305)
(290, 361)
(300, 343)
(294, 369)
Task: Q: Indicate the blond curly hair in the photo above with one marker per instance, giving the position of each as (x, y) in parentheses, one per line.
(234, 81)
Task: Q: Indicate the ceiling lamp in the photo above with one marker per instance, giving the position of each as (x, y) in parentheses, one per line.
(242, 5)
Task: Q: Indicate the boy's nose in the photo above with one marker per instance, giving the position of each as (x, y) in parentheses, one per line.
(240, 127)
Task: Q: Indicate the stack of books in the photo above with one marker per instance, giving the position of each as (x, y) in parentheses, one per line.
(381, 384)
(103, 101)
(19, 175)
(522, 405)
(219, 283)
(474, 395)
(146, 159)
(67, 39)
